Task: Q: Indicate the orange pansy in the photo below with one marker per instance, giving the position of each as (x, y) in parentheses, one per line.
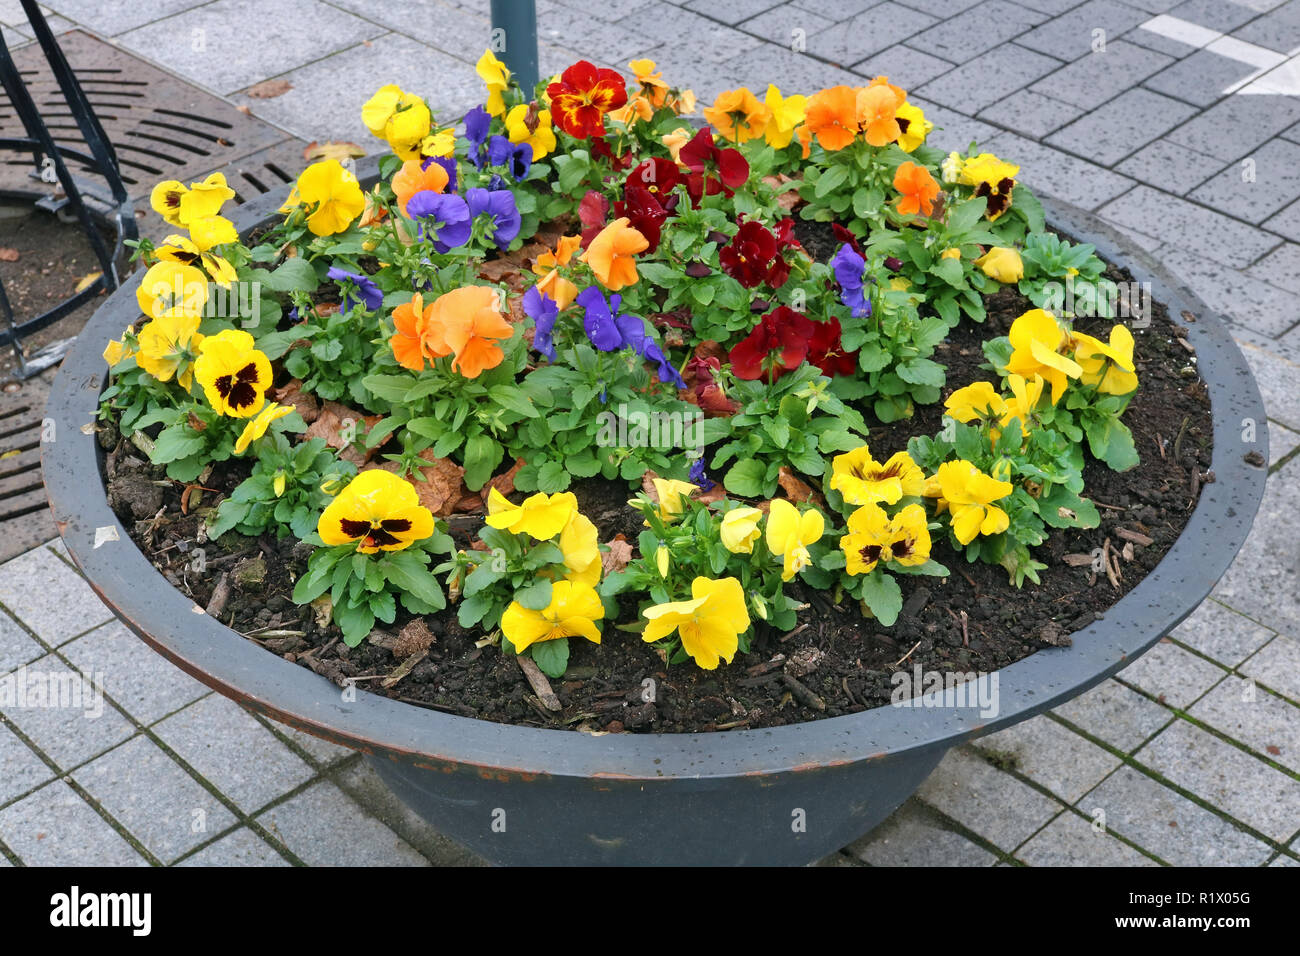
(411, 343)
(611, 254)
(832, 116)
(411, 179)
(876, 106)
(547, 266)
(918, 188)
(468, 322)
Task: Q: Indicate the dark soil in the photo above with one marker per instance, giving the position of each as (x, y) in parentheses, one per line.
(835, 662)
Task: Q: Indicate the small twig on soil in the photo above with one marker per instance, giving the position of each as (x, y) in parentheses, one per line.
(798, 630)
(537, 680)
(220, 595)
(1102, 504)
(404, 668)
(803, 694)
(844, 682)
(899, 662)
(1160, 445)
(732, 725)
(965, 635)
(1178, 442)
(766, 666)
(272, 633)
(1136, 537)
(969, 580)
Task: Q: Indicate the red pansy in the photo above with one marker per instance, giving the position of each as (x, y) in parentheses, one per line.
(713, 170)
(826, 351)
(748, 257)
(582, 96)
(777, 345)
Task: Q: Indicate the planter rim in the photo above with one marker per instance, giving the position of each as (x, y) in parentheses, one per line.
(221, 658)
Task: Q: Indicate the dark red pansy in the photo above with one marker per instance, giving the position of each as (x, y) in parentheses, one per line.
(748, 257)
(776, 346)
(644, 214)
(712, 170)
(826, 351)
(582, 96)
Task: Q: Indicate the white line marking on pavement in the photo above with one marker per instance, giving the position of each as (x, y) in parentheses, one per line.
(1276, 74)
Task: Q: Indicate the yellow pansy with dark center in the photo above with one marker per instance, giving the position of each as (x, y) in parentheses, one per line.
(377, 510)
(234, 374)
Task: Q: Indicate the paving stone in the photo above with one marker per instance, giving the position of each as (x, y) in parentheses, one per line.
(787, 26)
(1285, 861)
(142, 682)
(986, 801)
(1281, 267)
(16, 646)
(1112, 132)
(1116, 714)
(1053, 7)
(171, 815)
(879, 29)
(1054, 173)
(23, 770)
(987, 25)
(797, 71)
(323, 827)
(837, 10)
(111, 17)
(1200, 230)
(1287, 222)
(1255, 187)
(240, 847)
(1262, 580)
(690, 36)
(915, 836)
(1276, 376)
(988, 78)
(733, 11)
(1153, 6)
(1071, 35)
(326, 99)
(1277, 666)
(1030, 113)
(1221, 633)
(72, 734)
(953, 130)
(1281, 442)
(577, 29)
(321, 751)
(1141, 239)
(1249, 714)
(1247, 301)
(1160, 43)
(1070, 840)
(229, 748)
(1173, 676)
(1215, 14)
(49, 597)
(1227, 778)
(1051, 755)
(1200, 78)
(55, 827)
(363, 784)
(1170, 167)
(945, 8)
(231, 59)
(904, 66)
(611, 11)
(1169, 825)
(1237, 127)
(1097, 78)
(456, 31)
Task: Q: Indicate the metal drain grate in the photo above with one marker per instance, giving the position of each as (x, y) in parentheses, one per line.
(160, 126)
(25, 519)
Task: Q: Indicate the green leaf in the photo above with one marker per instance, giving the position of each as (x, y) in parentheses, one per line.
(536, 596)
(296, 275)
(554, 477)
(746, 478)
(881, 593)
(507, 396)
(482, 455)
(176, 442)
(356, 621)
(415, 579)
(831, 180)
(552, 656)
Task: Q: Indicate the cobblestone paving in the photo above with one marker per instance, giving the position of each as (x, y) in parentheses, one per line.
(1178, 122)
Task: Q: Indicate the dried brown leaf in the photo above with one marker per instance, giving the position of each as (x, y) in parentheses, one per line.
(269, 89)
(618, 555)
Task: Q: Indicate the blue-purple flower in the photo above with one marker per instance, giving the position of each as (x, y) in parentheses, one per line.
(517, 157)
(367, 293)
(849, 268)
(699, 476)
(610, 331)
(500, 206)
(446, 218)
(543, 310)
(477, 123)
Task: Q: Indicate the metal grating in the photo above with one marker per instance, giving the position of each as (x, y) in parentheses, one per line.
(25, 519)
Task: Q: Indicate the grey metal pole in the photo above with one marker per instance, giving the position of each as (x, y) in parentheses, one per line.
(514, 39)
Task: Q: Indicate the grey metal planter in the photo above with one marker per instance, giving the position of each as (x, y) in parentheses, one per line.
(787, 795)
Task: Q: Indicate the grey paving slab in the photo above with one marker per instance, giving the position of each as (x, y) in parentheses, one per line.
(1249, 714)
(690, 36)
(791, 27)
(986, 801)
(1070, 840)
(733, 11)
(55, 827)
(577, 29)
(143, 683)
(1287, 222)
(1214, 14)
(111, 17)
(1285, 861)
(1112, 132)
(837, 10)
(322, 826)
(321, 751)
(23, 769)
(1278, 30)
(1059, 174)
(1053, 7)
(797, 71)
(1170, 167)
(988, 78)
(1281, 268)
(73, 722)
(1276, 375)
(1195, 228)
(1236, 127)
(1277, 666)
(1247, 301)
(49, 597)
(1240, 785)
(171, 815)
(611, 11)
(230, 749)
(879, 29)
(916, 836)
(1116, 714)
(977, 30)
(1221, 633)
(1281, 442)
(1169, 825)
(1073, 34)
(1096, 78)
(945, 8)
(907, 67)
(953, 130)
(1172, 675)
(1051, 755)
(232, 59)
(1262, 580)
(461, 33)
(16, 646)
(1030, 113)
(1255, 187)
(240, 847)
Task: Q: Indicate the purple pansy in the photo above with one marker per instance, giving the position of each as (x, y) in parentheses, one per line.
(542, 309)
(445, 217)
(477, 123)
(500, 205)
(369, 294)
(849, 268)
(609, 331)
(517, 157)
(699, 476)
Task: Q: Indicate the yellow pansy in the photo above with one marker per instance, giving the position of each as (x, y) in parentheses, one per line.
(789, 534)
(662, 560)
(333, 195)
(580, 545)
(739, 529)
(867, 539)
(378, 511)
(862, 480)
(913, 125)
(256, 428)
(525, 123)
(168, 347)
(738, 115)
(1025, 395)
(969, 494)
(205, 234)
(1037, 341)
(402, 119)
(909, 537)
(672, 494)
(785, 112)
(233, 372)
(993, 180)
(119, 350)
(440, 143)
(1003, 264)
(709, 625)
(977, 400)
(493, 73)
(573, 612)
(1107, 366)
(171, 289)
(541, 515)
